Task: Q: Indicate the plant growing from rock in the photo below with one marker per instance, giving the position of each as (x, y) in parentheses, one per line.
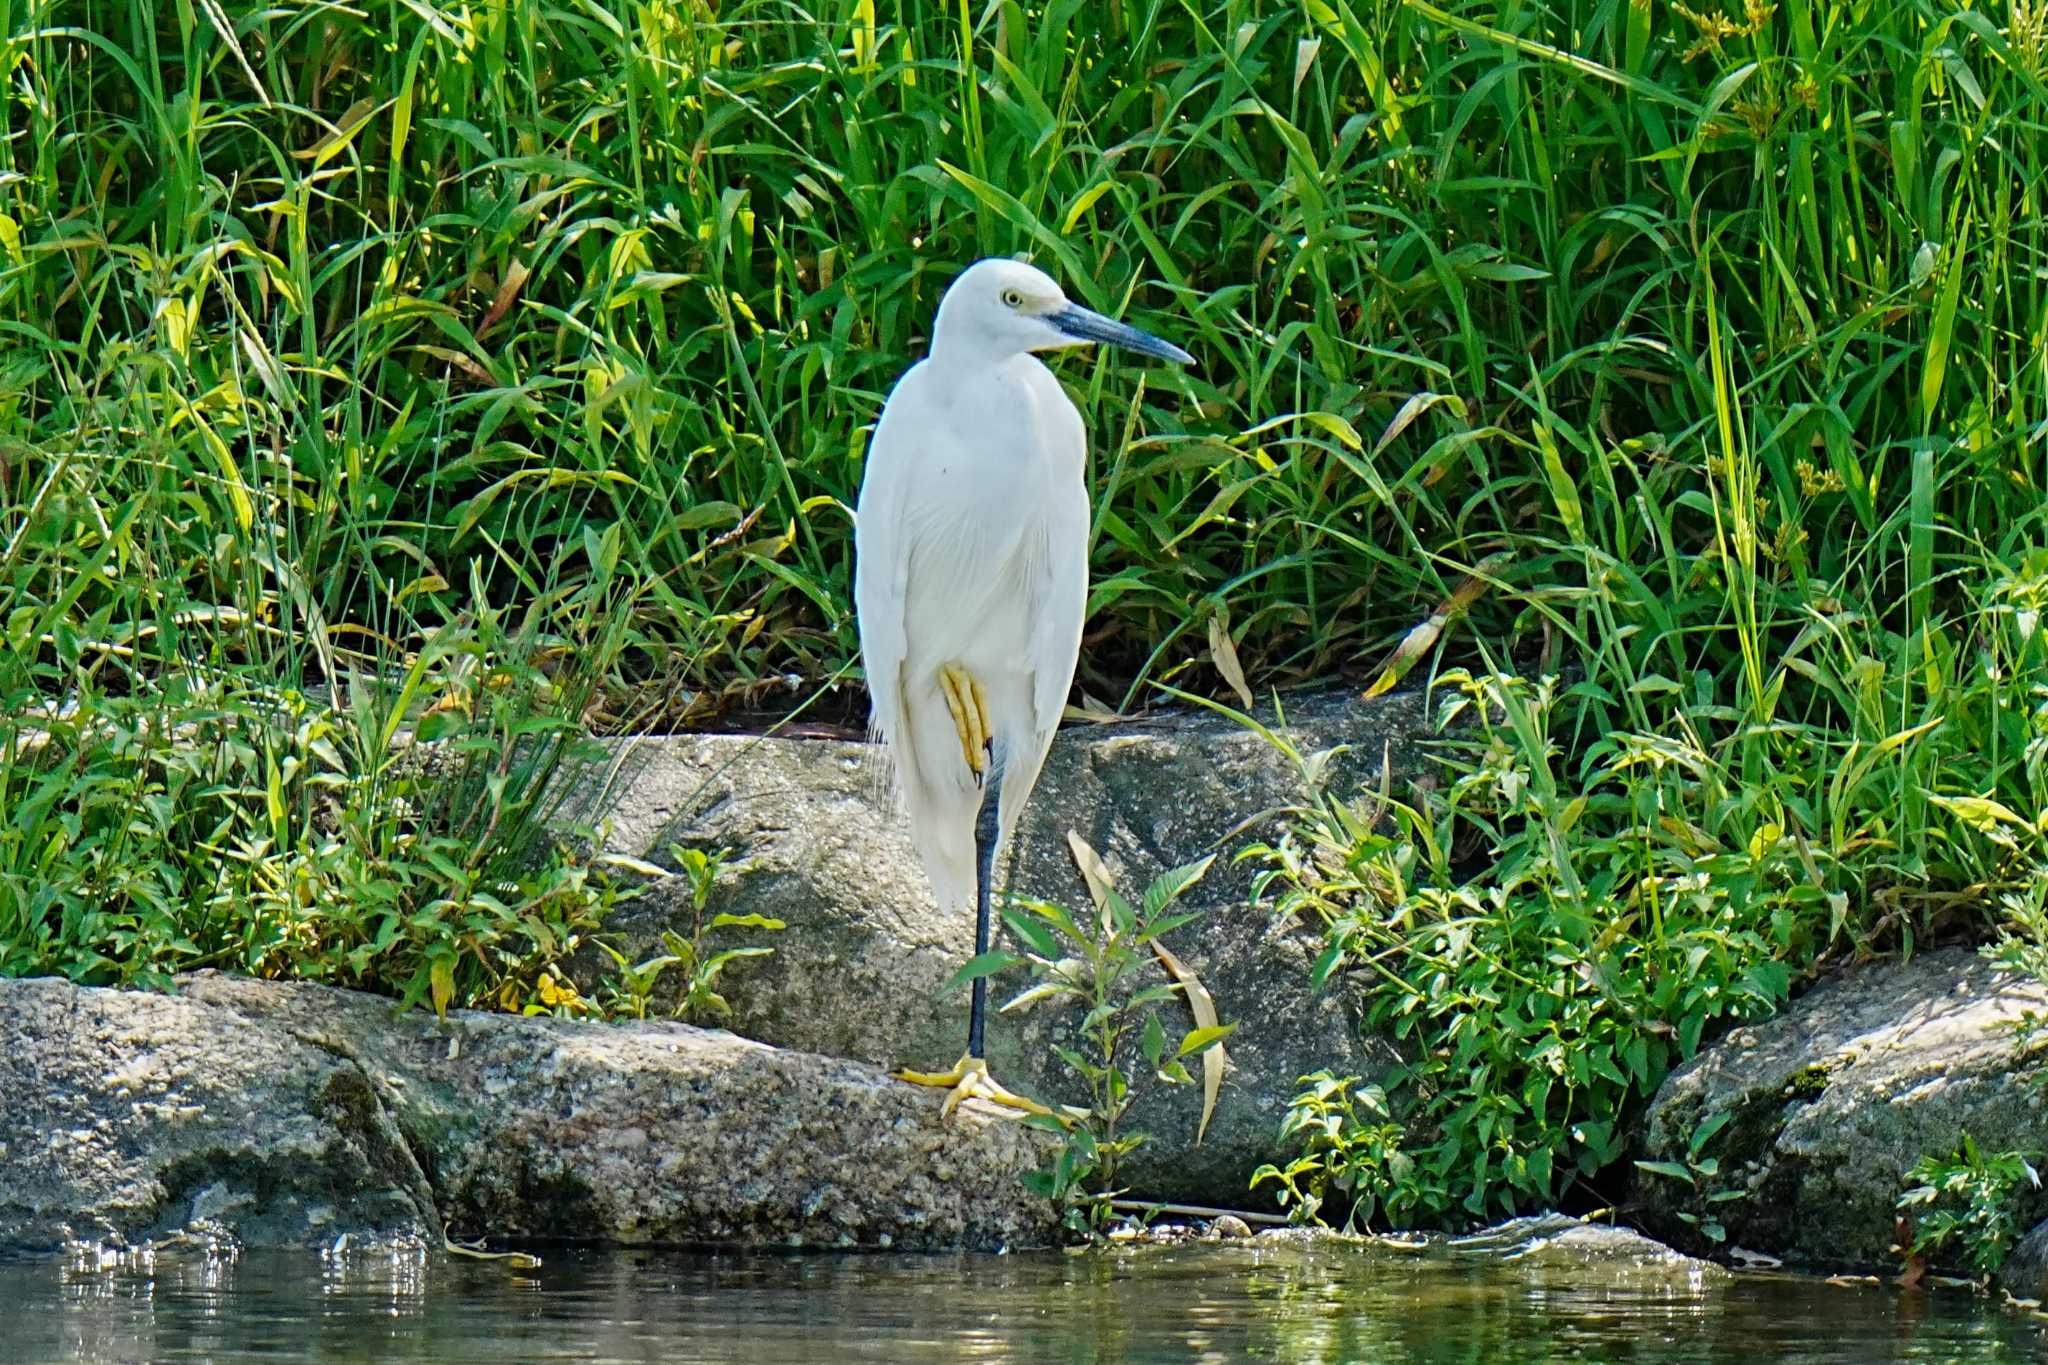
(2022, 944)
(1350, 1150)
(1964, 1202)
(631, 992)
(1699, 1171)
(1093, 962)
(1543, 993)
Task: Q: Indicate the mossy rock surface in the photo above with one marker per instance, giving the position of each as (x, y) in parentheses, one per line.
(1830, 1103)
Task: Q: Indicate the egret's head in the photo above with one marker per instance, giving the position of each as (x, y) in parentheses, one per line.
(1000, 307)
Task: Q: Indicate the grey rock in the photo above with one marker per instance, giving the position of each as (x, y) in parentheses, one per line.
(2025, 1272)
(1833, 1100)
(288, 1114)
(1312, 1238)
(129, 1117)
(1556, 1241)
(861, 969)
(1547, 1247)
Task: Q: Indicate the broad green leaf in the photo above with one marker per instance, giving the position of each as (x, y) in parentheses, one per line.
(1032, 933)
(1169, 887)
(1666, 1168)
(987, 964)
(748, 921)
(1197, 1039)
(1154, 1042)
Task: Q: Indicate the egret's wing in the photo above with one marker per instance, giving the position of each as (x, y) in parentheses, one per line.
(881, 573)
(1059, 607)
(887, 542)
(1062, 589)
(1062, 608)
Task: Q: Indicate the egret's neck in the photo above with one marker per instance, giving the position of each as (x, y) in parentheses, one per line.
(981, 380)
(980, 390)
(959, 346)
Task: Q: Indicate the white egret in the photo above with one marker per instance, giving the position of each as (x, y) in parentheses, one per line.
(971, 580)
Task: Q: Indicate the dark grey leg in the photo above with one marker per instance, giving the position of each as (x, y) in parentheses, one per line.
(987, 823)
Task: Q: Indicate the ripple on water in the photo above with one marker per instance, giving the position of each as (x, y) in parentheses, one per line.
(1264, 1300)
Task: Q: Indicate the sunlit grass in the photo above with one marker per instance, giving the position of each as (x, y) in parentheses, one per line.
(1710, 340)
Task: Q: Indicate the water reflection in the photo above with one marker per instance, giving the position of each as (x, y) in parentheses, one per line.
(1156, 1304)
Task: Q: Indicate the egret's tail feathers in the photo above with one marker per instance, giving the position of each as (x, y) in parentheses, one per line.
(944, 836)
(879, 782)
(943, 839)
(939, 792)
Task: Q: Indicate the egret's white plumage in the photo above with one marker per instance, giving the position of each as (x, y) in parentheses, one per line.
(971, 543)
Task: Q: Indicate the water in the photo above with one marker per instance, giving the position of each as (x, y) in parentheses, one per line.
(1200, 1303)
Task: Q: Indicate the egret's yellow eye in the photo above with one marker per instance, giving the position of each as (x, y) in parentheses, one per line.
(1013, 298)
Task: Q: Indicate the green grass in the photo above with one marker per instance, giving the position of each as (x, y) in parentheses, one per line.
(1697, 355)
(379, 312)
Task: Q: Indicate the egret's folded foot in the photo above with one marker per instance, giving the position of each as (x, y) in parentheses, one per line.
(969, 1080)
(969, 705)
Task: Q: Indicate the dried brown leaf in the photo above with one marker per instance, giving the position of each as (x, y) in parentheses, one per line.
(1425, 634)
(508, 290)
(1204, 1007)
(1224, 652)
(1094, 872)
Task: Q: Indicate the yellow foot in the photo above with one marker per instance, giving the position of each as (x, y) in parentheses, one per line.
(969, 705)
(969, 1080)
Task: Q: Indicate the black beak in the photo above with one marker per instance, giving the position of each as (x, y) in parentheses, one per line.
(1083, 325)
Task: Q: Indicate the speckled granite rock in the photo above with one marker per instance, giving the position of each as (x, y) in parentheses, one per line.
(132, 1116)
(860, 970)
(286, 1114)
(1834, 1099)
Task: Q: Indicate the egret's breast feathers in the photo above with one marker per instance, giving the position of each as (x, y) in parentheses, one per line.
(970, 584)
(983, 491)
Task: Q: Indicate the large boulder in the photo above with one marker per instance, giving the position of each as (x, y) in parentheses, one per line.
(1554, 1241)
(288, 1114)
(131, 1116)
(2025, 1272)
(862, 967)
(1833, 1100)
